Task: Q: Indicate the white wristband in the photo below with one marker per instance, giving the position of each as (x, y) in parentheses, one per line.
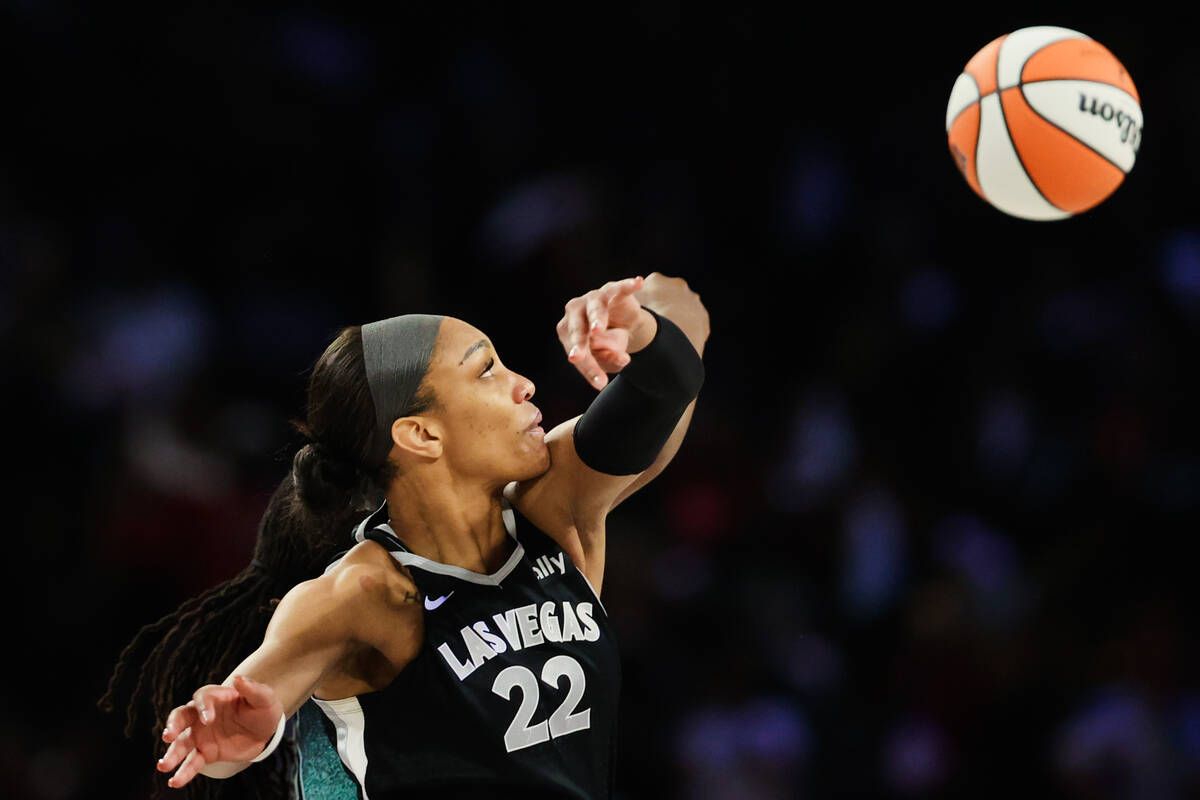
(225, 769)
(271, 745)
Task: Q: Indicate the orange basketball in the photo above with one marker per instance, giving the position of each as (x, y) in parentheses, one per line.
(1044, 123)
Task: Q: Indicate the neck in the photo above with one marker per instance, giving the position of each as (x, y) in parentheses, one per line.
(449, 521)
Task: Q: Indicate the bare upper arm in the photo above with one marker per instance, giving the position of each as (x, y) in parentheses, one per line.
(364, 602)
(570, 501)
(584, 491)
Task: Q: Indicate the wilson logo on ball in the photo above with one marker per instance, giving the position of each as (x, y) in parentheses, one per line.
(1044, 123)
(1131, 132)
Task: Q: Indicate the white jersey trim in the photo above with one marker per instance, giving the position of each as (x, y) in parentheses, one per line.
(595, 594)
(413, 560)
(348, 719)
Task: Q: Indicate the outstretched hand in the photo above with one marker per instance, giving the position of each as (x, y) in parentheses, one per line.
(597, 329)
(219, 723)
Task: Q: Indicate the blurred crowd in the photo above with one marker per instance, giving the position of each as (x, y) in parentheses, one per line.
(929, 534)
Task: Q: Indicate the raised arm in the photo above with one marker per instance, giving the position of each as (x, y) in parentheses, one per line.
(317, 626)
(613, 436)
(675, 300)
(635, 426)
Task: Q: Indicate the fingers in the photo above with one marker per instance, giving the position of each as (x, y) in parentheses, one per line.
(598, 302)
(576, 326)
(200, 710)
(181, 748)
(573, 334)
(585, 335)
(625, 287)
(614, 340)
(610, 349)
(601, 299)
(606, 353)
(588, 367)
(206, 698)
(597, 311)
(179, 720)
(190, 768)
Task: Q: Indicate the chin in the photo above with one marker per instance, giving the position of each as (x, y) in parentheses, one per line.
(539, 465)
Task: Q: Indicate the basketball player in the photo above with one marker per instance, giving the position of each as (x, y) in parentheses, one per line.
(460, 645)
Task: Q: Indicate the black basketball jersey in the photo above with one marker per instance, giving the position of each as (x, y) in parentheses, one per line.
(514, 690)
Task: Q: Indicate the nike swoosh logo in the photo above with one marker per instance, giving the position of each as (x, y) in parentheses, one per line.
(430, 605)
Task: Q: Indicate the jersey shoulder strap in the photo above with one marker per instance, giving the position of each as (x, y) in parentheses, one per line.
(376, 527)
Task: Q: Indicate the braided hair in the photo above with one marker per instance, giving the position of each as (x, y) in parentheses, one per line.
(334, 482)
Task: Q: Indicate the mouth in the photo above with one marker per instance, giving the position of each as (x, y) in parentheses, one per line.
(535, 427)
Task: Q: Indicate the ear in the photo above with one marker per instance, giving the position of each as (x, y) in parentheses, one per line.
(418, 435)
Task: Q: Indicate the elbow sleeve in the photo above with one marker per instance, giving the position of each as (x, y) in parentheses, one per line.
(630, 420)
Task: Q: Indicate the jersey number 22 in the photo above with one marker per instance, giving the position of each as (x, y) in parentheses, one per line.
(564, 720)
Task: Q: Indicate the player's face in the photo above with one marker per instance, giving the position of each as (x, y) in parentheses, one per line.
(492, 430)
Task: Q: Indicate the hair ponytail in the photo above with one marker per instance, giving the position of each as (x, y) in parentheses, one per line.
(207, 636)
(332, 485)
(325, 483)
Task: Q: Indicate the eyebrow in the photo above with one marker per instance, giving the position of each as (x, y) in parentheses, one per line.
(472, 349)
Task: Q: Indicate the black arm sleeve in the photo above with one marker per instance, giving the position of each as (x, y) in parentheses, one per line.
(626, 426)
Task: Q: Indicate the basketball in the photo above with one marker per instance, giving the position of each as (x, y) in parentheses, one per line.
(1044, 123)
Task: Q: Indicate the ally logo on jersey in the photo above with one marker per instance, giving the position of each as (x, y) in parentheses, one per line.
(548, 566)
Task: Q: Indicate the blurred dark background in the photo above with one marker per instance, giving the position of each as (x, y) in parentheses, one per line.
(929, 533)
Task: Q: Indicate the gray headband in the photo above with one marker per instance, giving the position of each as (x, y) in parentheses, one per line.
(397, 352)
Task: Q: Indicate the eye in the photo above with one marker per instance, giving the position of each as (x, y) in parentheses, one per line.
(487, 371)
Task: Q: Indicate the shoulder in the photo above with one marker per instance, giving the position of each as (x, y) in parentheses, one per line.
(379, 604)
(361, 593)
(368, 573)
(361, 620)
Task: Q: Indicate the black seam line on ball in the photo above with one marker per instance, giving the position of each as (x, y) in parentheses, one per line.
(1008, 131)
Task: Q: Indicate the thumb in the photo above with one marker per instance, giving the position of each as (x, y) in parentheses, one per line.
(256, 695)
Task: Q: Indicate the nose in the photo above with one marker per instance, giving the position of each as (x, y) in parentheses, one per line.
(523, 389)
